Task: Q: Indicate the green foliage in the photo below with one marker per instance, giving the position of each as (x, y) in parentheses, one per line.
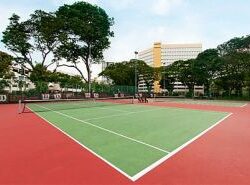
(41, 87)
(67, 81)
(185, 72)
(77, 33)
(38, 35)
(235, 56)
(32, 92)
(120, 73)
(110, 90)
(3, 84)
(40, 73)
(225, 69)
(5, 73)
(124, 73)
(16, 37)
(247, 82)
(147, 74)
(84, 35)
(168, 79)
(41, 77)
(5, 64)
(208, 65)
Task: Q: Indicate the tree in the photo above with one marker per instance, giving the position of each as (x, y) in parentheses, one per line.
(66, 81)
(41, 77)
(208, 64)
(146, 73)
(37, 35)
(168, 78)
(230, 46)
(124, 73)
(247, 82)
(5, 64)
(186, 73)
(227, 68)
(5, 72)
(234, 71)
(235, 55)
(40, 74)
(120, 73)
(84, 35)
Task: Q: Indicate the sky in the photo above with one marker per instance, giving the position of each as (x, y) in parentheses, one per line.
(140, 23)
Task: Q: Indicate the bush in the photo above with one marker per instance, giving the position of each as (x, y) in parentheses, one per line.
(175, 94)
(32, 92)
(189, 95)
(41, 87)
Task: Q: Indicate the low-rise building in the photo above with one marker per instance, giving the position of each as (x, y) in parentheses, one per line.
(20, 80)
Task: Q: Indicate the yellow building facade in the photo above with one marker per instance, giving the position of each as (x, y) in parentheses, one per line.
(165, 54)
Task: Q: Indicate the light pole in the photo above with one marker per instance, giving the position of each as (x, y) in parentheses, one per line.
(164, 76)
(136, 53)
(89, 75)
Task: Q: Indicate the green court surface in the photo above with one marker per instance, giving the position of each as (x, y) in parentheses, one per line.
(130, 137)
(204, 102)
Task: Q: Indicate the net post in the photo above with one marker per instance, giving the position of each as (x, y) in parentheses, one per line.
(19, 106)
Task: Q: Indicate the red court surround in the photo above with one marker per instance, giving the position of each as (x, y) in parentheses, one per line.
(34, 152)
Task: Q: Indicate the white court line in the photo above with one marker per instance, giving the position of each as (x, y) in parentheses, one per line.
(213, 102)
(93, 108)
(88, 149)
(112, 109)
(152, 166)
(117, 115)
(244, 105)
(107, 130)
(160, 161)
(105, 108)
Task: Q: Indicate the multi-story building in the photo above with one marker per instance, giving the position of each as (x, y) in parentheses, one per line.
(164, 55)
(19, 81)
(104, 65)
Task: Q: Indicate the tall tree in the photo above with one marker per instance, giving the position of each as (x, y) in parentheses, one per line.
(40, 74)
(208, 64)
(146, 73)
(84, 36)
(186, 73)
(247, 81)
(169, 77)
(121, 73)
(5, 72)
(124, 73)
(5, 64)
(233, 71)
(235, 55)
(27, 39)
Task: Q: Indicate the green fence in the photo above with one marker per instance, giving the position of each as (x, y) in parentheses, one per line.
(113, 89)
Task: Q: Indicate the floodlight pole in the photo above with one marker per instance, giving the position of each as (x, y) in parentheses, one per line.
(136, 55)
(89, 75)
(164, 82)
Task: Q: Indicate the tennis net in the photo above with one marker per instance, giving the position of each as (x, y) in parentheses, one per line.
(64, 104)
(168, 98)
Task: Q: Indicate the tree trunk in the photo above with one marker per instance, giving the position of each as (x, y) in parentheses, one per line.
(191, 90)
(207, 90)
(89, 78)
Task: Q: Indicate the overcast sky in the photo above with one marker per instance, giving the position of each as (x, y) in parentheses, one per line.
(139, 23)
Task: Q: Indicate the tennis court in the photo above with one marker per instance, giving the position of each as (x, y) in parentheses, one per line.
(226, 103)
(131, 138)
